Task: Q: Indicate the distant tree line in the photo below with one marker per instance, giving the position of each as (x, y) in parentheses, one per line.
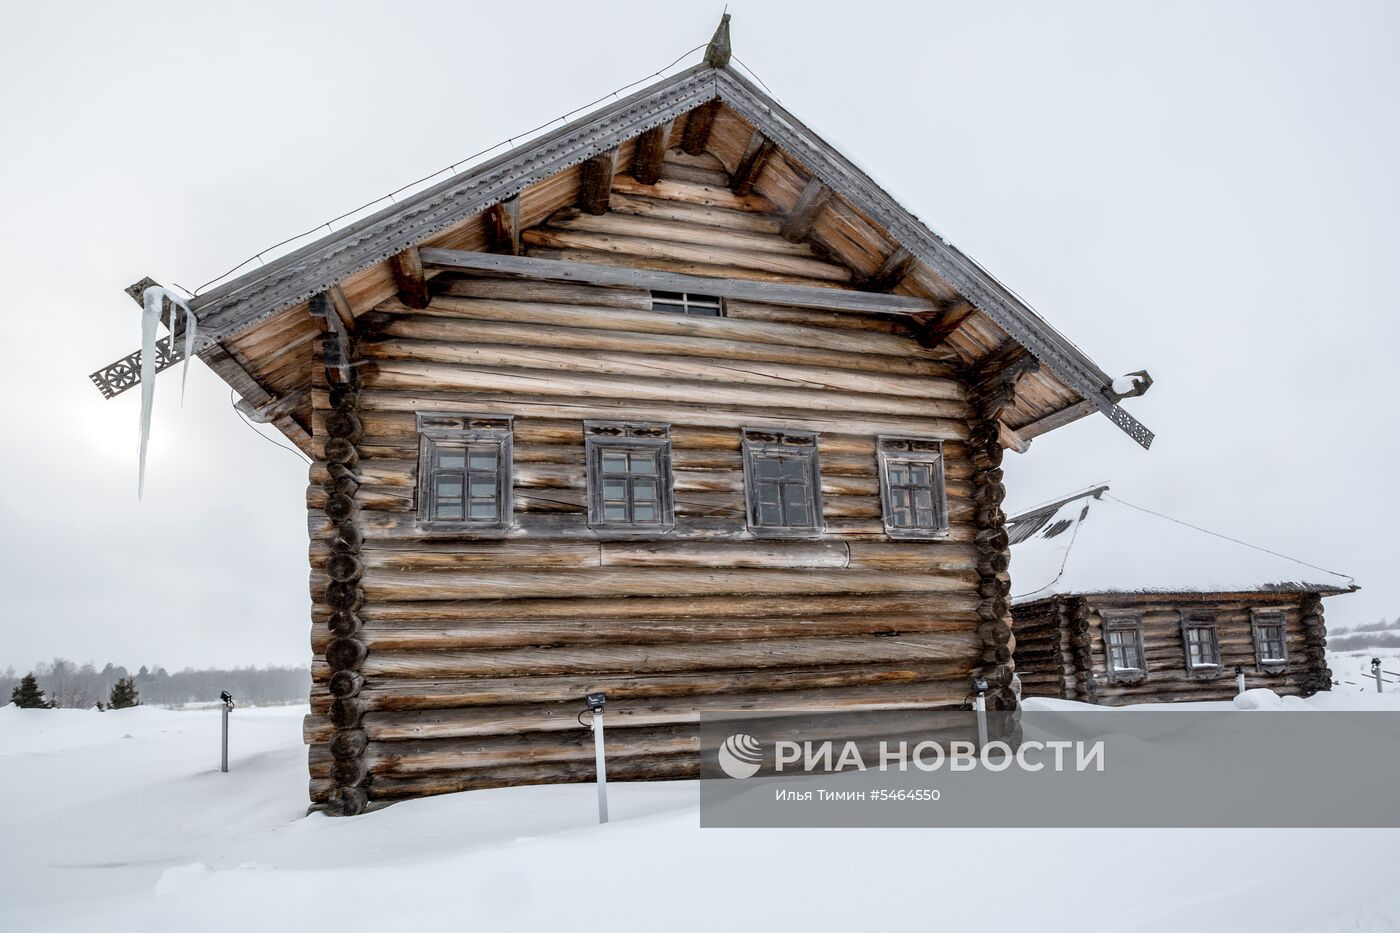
(1365, 637)
(72, 686)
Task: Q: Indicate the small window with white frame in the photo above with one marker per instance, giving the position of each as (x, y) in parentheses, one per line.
(1122, 640)
(464, 472)
(782, 482)
(1270, 644)
(1202, 642)
(687, 303)
(912, 490)
(629, 476)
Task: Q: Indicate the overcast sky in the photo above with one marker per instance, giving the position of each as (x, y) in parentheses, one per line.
(1204, 190)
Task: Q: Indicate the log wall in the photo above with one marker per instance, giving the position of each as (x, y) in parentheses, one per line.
(1060, 648)
(477, 651)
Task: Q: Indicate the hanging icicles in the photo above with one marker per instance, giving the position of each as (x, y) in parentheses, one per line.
(153, 301)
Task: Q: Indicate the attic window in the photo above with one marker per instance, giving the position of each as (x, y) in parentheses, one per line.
(687, 303)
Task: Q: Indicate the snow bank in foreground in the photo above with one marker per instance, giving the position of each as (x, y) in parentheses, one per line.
(104, 832)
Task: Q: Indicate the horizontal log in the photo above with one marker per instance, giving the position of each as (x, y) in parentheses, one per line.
(461, 351)
(460, 286)
(671, 230)
(597, 274)
(645, 658)
(728, 255)
(661, 768)
(401, 636)
(410, 693)
(381, 585)
(694, 214)
(633, 713)
(412, 374)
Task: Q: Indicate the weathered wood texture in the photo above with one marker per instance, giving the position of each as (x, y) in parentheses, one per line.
(1060, 647)
(471, 655)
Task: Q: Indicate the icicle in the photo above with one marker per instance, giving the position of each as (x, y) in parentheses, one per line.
(153, 302)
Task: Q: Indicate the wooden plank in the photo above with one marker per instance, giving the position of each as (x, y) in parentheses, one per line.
(1056, 419)
(552, 270)
(697, 127)
(407, 267)
(503, 221)
(751, 163)
(596, 185)
(651, 154)
(799, 220)
(948, 320)
(895, 268)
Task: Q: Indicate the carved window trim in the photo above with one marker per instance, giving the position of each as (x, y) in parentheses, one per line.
(601, 437)
(472, 433)
(1208, 639)
(1259, 621)
(1123, 622)
(894, 452)
(764, 445)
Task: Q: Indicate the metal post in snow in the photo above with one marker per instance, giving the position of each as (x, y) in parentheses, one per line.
(595, 703)
(980, 705)
(228, 708)
(1376, 673)
(1239, 679)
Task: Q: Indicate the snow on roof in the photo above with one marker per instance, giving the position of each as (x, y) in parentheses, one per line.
(1094, 542)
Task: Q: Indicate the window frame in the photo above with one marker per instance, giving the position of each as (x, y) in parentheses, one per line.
(1207, 622)
(1123, 620)
(600, 436)
(436, 429)
(771, 442)
(1258, 620)
(682, 303)
(898, 449)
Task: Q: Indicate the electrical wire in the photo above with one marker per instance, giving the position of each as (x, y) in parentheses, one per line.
(233, 401)
(508, 141)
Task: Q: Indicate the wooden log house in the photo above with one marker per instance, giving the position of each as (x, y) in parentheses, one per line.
(672, 402)
(1114, 604)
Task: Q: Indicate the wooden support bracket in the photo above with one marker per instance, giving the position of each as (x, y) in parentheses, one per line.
(408, 276)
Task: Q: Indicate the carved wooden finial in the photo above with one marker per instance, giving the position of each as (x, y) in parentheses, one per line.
(717, 55)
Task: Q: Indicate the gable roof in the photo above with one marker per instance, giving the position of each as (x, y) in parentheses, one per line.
(233, 310)
(1094, 543)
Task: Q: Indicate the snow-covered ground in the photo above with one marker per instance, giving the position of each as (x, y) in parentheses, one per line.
(121, 821)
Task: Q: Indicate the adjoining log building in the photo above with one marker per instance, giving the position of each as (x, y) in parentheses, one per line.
(1114, 604)
(672, 402)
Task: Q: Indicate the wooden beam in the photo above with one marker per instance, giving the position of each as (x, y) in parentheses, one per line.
(341, 304)
(799, 220)
(555, 270)
(891, 273)
(651, 153)
(1012, 440)
(697, 127)
(337, 349)
(408, 275)
(596, 186)
(503, 221)
(275, 409)
(751, 163)
(949, 319)
(1056, 419)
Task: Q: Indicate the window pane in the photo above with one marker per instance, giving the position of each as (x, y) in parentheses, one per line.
(449, 487)
(767, 468)
(644, 490)
(920, 475)
(483, 486)
(615, 490)
(614, 512)
(449, 458)
(644, 463)
(483, 459)
(483, 511)
(767, 493)
(899, 474)
(923, 499)
(614, 462)
(644, 513)
(899, 498)
(794, 471)
(449, 511)
(769, 514)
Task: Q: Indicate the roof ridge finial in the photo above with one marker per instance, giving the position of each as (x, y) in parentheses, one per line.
(718, 52)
